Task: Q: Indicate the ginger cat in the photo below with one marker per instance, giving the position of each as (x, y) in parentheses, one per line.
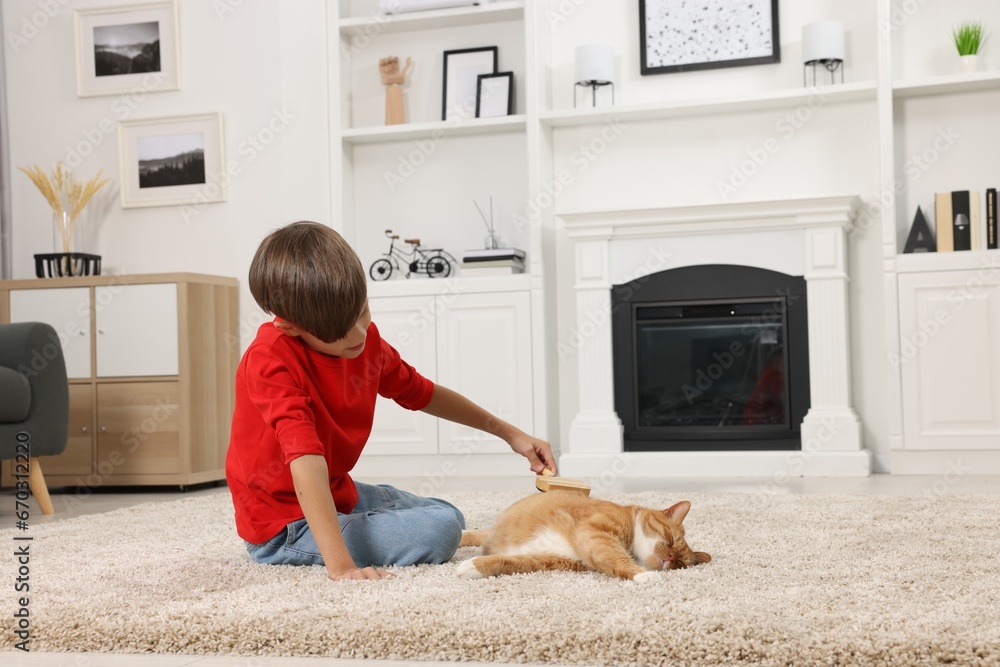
(561, 530)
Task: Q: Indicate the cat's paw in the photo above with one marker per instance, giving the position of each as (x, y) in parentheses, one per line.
(467, 570)
(646, 578)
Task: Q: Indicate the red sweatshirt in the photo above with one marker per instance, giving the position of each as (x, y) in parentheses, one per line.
(292, 401)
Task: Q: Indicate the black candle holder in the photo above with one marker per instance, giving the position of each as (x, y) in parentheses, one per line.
(594, 85)
(831, 65)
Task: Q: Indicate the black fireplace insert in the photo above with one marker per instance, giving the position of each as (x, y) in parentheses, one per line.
(711, 357)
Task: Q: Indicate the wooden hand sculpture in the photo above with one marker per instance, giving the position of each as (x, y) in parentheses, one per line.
(393, 81)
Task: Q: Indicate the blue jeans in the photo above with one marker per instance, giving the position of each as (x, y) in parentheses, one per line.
(387, 527)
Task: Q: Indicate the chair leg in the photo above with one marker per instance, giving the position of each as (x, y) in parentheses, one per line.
(36, 482)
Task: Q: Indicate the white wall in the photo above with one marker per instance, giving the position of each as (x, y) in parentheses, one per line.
(834, 151)
(261, 64)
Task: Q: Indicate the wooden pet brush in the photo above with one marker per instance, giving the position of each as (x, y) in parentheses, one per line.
(547, 481)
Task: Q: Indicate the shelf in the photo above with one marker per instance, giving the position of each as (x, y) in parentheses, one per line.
(941, 85)
(384, 24)
(843, 93)
(452, 285)
(437, 129)
(963, 260)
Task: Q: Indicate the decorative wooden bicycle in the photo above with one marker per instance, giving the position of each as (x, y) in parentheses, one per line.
(433, 262)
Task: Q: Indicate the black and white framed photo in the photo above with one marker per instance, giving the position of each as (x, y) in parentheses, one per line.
(172, 161)
(683, 36)
(126, 49)
(461, 76)
(495, 95)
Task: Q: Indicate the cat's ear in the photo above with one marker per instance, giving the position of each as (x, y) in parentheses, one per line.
(701, 557)
(678, 511)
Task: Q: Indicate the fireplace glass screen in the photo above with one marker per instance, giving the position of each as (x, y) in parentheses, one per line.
(711, 365)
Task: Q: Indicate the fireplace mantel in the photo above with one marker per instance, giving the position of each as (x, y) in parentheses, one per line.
(805, 237)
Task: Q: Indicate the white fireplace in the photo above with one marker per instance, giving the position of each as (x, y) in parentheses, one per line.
(799, 237)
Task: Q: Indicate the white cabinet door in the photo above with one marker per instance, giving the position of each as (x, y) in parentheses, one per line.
(949, 330)
(67, 310)
(484, 353)
(136, 330)
(408, 324)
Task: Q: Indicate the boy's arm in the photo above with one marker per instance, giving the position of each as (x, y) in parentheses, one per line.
(312, 487)
(451, 405)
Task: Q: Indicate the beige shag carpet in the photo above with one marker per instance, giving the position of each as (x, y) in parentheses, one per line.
(795, 580)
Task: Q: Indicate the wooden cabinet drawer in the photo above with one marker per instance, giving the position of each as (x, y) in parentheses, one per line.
(138, 427)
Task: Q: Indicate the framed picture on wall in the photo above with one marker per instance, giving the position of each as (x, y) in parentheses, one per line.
(172, 161)
(126, 49)
(494, 95)
(683, 36)
(461, 71)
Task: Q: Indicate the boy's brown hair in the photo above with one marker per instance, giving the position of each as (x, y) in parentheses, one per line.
(307, 274)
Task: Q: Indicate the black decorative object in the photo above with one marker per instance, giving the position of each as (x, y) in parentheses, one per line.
(920, 239)
(433, 262)
(67, 264)
(684, 36)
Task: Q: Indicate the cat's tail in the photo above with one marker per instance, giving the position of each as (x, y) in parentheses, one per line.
(473, 538)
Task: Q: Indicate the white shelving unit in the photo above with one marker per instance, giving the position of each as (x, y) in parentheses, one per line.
(938, 134)
(512, 158)
(427, 198)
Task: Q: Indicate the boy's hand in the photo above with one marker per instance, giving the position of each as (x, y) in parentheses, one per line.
(538, 452)
(362, 574)
(452, 406)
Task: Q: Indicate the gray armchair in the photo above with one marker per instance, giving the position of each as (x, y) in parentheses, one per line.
(34, 398)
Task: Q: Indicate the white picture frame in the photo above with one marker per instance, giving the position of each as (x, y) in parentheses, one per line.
(159, 160)
(112, 39)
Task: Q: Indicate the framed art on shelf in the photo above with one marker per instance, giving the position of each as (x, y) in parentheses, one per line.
(461, 71)
(683, 36)
(122, 49)
(494, 95)
(172, 161)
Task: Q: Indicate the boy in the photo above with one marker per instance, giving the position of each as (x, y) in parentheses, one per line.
(305, 399)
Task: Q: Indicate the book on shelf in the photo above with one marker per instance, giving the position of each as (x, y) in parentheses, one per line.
(976, 221)
(493, 262)
(943, 222)
(958, 221)
(961, 213)
(477, 271)
(487, 254)
(991, 219)
(496, 267)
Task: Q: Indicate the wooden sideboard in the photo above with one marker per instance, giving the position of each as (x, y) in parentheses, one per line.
(151, 361)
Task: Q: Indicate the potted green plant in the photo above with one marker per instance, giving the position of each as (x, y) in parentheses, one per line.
(968, 37)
